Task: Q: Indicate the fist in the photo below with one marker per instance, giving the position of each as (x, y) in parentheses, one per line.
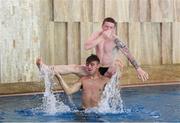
(107, 34)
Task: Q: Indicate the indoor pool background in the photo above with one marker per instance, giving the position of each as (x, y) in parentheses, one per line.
(158, 103)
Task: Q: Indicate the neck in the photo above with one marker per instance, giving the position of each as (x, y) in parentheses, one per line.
(96, 75)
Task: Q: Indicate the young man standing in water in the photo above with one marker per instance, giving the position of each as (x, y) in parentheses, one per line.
(104, 42)
(92, 85)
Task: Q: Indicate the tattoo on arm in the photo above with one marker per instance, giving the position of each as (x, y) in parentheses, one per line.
(124, 49)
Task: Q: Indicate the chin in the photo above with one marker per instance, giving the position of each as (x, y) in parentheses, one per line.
(90, 73)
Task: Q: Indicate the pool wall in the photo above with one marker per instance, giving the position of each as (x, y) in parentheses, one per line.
(159, 75)
(57, 29)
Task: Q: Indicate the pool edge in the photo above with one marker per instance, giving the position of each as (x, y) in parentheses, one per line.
(121, 86)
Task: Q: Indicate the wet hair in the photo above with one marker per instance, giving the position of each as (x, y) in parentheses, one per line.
(92, 58)
(109, 19)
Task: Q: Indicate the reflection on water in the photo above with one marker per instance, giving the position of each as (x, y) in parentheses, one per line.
(145, 104)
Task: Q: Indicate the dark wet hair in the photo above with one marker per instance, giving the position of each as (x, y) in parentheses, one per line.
(92, 58)
(109, 19)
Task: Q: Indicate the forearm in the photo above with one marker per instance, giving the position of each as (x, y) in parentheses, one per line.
(93, 41)
(68, 89)
(68, 69)
(124, 49)
(64, 85)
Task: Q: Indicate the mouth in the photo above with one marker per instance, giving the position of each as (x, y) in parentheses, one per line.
(89, 70)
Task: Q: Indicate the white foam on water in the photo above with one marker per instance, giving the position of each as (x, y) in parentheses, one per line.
(111, 101)
(50, 104)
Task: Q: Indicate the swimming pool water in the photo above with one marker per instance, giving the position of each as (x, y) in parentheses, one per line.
(141, 104)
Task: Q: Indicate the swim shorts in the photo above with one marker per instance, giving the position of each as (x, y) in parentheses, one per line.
(103, 70)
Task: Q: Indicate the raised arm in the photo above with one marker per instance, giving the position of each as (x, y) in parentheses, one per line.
(93, 40)
(68, 89)
(78, 70)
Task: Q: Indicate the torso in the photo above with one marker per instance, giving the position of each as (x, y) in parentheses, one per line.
(92, 90)
(104, 52)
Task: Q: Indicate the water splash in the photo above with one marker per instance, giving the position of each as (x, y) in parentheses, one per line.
(111, 101)
(50, 104)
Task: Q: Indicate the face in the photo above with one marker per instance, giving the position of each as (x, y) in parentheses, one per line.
(108, 26)
(92, 67)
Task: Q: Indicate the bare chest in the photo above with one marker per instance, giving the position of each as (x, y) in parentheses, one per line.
(107, 46)
(93, 86)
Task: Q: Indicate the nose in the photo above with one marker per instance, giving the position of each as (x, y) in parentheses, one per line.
(108, 27)
(89, 66)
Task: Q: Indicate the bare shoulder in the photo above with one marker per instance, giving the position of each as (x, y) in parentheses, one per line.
(84, 78)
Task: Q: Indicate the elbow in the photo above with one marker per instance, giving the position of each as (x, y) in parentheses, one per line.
(88, 45)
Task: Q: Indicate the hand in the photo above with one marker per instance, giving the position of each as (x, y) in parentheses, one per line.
(108, 34)
(39, 62)
(142, 74)
(55, 72)
(118, 63)
(111, 71)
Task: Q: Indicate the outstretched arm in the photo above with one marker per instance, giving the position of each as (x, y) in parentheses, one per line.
(99, 37)
(68, 89)
(124, 49)
(78, 70)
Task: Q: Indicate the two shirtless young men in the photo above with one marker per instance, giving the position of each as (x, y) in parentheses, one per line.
(98, 69)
